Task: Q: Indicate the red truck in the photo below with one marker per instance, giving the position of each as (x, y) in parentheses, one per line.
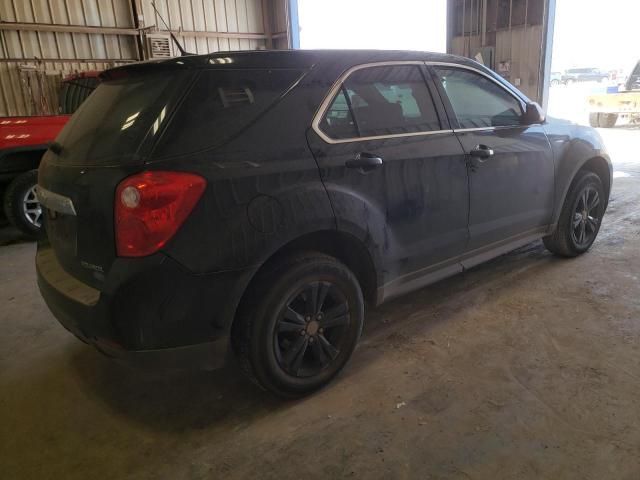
(23, 141)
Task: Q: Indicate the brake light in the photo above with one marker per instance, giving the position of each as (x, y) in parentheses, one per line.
(150, 207)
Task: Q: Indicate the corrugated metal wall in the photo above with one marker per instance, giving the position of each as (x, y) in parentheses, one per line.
(511, 31)
(42, 40)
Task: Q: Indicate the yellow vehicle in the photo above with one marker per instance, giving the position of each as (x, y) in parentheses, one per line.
(606, 108)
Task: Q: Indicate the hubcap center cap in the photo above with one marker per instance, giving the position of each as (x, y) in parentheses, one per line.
(312, 327)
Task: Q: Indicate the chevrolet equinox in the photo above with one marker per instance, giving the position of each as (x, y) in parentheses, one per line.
(255, 201)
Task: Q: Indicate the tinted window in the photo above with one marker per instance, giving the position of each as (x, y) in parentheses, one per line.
(477, 101)
(221, 104)
(114, 120)
(379, 101)
(338, 122)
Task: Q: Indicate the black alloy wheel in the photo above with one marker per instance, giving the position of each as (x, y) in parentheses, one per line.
(580, 217)
(587, 215)
(311, 329)
(299, 324)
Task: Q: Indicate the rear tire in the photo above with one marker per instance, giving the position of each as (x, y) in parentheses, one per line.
(580, 218)
(299, 324)
(594, 120)
(608, 120)
(21, 206)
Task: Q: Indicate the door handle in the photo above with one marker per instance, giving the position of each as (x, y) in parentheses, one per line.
(481, 152)
(366, 161)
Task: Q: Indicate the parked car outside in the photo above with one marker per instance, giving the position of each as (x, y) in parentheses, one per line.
(255, 201)
(556, 78)
(23, 141)
(574, 75)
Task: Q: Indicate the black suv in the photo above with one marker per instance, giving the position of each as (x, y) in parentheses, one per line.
(257, 200)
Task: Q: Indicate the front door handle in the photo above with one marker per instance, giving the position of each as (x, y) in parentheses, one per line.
(366, 161)
(482, 152)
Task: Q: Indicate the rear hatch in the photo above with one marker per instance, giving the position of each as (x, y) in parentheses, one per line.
(106, 140)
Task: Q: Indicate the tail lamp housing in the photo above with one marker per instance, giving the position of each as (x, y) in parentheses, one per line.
(150, 207)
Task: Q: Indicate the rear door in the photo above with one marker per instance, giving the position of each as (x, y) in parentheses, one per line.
(511, 168)
(395, 173)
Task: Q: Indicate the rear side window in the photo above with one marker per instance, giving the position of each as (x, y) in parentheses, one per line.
(221, 104)
(380, 101)
(111, 124)
(477, 101)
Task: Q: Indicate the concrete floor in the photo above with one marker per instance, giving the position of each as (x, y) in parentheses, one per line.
(527, 367)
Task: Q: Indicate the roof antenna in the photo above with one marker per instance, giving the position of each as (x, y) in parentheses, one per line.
(183, 52)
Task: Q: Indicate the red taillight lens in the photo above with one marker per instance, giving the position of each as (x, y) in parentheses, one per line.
(150, 207)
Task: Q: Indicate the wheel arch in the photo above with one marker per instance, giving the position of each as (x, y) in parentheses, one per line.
(341, 245)
(596, 164)
(600, 167)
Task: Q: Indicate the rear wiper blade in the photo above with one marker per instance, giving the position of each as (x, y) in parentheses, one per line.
(55, 147)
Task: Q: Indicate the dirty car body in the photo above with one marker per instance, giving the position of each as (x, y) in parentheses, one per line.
(376, 159)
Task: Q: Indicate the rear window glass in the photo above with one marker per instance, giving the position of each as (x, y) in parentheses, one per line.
(221, 104)
(111, 124)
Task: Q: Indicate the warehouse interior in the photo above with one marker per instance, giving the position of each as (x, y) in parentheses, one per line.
(524, 367)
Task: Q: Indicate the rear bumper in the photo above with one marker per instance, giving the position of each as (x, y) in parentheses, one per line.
(146, 330)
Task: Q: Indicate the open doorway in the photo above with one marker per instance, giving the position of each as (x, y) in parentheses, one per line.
(595, 52)
(377, 24)
(595, 77)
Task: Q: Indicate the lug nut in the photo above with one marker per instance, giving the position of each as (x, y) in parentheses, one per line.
(302, 332)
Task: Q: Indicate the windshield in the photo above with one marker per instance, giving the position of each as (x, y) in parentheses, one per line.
(110, 125)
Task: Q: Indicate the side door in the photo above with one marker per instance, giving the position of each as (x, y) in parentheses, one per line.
(394, 171)
(511, 167)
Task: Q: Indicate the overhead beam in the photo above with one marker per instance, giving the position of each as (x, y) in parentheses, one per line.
(43, 27)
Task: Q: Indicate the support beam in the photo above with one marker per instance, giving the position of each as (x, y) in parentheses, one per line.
(294, 24)
(43, 27)
(549, 22)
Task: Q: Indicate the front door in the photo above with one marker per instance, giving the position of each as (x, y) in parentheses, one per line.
(394, 171)
(511, 168)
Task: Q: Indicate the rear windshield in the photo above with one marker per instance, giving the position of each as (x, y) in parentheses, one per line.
(221, 104)
(110, 125)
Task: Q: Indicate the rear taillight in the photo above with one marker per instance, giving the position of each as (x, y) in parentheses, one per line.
(150, 207)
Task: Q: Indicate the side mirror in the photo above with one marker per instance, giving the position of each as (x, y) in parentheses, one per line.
(533, 114)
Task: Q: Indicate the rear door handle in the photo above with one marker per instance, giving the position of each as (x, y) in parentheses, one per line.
(365, 161)
(482, 152)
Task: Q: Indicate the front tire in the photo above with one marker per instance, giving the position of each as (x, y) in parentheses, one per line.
(580, 218)
(21, 205)
(299, 324)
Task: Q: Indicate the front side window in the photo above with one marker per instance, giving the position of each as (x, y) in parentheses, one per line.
(380, 101)
(477, 101)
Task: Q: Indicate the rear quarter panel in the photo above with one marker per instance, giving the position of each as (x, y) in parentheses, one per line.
(263, 191)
